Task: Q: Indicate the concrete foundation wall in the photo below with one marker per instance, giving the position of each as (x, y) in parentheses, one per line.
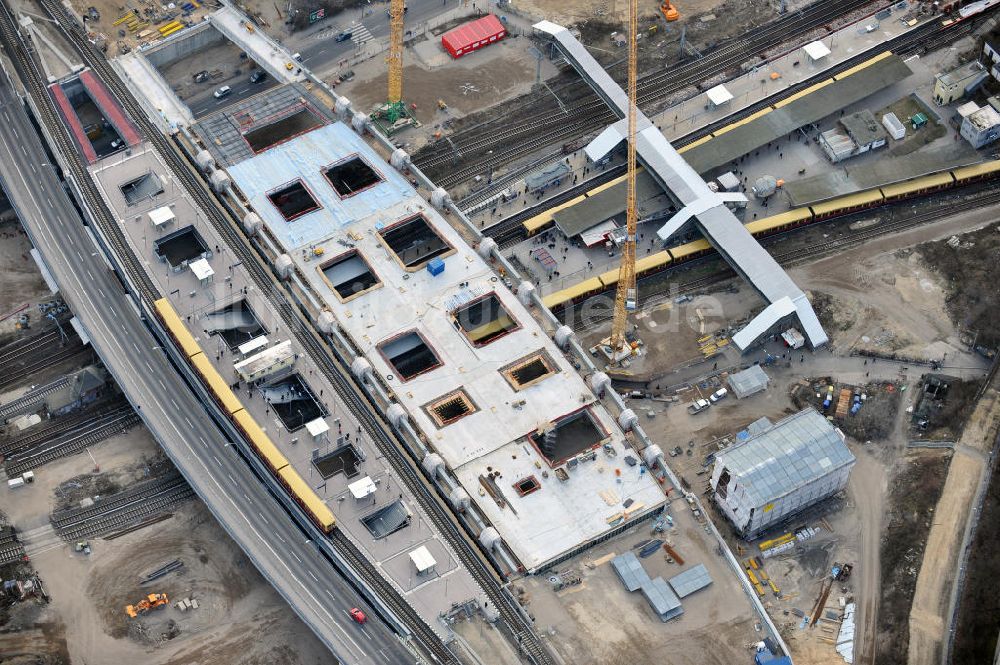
(188, 41)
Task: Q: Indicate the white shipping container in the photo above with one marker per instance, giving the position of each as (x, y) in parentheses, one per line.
(14, 483)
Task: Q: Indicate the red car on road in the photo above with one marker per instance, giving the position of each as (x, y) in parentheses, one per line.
(358, 615)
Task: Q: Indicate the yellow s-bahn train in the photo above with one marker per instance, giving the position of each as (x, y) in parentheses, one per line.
(762, 228)
(261, 443)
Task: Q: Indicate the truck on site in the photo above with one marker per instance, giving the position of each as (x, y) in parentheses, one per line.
(150, 602)
(698, 406)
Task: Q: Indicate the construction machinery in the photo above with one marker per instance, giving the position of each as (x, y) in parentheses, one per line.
(392, 115)
(150, 602)
(626, 296)
(669, 11)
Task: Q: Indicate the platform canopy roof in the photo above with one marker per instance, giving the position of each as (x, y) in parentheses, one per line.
(719, 95)
(422, 559)
(201, 269)
(161, 216)
(362, 488)
(317, 427)
(816, 50)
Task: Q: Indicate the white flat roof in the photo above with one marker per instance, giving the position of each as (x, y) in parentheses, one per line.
(494, 431)
(362, 488)
(422, 559)
(201, 269)
(161, 216)
(719, 95)
(265, 358)
(317, 427)
(596, 234)
(816, 50)
(255, 344)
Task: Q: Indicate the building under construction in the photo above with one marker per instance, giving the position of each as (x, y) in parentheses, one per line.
(779, 471)
(502, 409)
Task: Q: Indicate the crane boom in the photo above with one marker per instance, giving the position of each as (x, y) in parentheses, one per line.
(395, 58)
(626, 296)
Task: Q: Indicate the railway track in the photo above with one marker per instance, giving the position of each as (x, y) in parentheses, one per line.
(497, 142)
(19, 51)
(37, 363)
(121, 510)
(31, 398)
(984, 197)
(72, 441)
(377, 429)
(510, 231)
(53, 428)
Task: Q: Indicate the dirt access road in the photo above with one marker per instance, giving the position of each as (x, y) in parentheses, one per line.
(935, 584)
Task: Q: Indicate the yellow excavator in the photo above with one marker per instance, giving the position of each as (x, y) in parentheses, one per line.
(150, 602)
(669, 11)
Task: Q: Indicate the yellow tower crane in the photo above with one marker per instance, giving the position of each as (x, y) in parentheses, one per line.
(626, 296)
(395, 108)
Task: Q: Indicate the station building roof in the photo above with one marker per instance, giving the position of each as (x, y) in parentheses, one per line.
(744, 138)
(494, 397)
(877, 173)
(794, 452)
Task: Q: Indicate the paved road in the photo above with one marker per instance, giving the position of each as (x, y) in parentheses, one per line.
(320, 50)
(255, 520)
(205, 103)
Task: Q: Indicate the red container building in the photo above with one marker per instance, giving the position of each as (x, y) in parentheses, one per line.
(473, 35)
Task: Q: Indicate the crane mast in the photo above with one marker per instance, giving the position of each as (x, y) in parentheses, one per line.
(395, 108)
(626, 296)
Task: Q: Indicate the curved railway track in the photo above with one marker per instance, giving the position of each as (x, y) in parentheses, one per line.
(377, 429)
(20, 53)
(510, 231)
(509, 142)
(987, 196)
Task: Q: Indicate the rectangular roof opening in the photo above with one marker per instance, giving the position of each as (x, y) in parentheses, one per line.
(569, 436)
(451, 407)
(349, 275)
(526, 486)
(293, 200)
(140, 189)
(388, 520)
(414, 242)
(262, 137)
(526, 372)
(484, 320)
(344, 459)
(409, 355)
(351, 176)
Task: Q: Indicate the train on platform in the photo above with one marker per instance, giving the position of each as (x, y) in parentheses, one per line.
(761, 228)
(259, 441)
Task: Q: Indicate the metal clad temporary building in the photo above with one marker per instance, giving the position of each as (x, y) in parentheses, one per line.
(782, 470)
(473, 35)
(748, 382)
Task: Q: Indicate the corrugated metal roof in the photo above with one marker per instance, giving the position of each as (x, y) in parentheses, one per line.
(749, 381)
(811, 108)
(630, 570)
(662, 599)
(796, 451)
(467, 34)
(691, 580)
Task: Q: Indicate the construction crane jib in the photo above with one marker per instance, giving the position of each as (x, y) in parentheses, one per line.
(626, 297)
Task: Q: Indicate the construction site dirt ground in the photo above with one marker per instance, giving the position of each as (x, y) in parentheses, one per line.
(468, 84)
(86, 615)
(22, 283)
(881, 286)
(111, 10)
(600, 622)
